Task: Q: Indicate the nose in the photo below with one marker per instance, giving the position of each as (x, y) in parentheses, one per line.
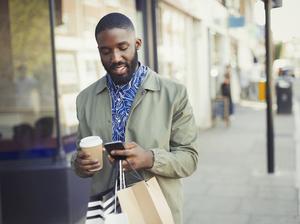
(116, 56)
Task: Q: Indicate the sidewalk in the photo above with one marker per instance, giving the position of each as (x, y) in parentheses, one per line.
(231, 185)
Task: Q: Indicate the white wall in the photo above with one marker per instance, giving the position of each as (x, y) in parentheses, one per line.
(213, 16)
(198, 82)
(204, 73)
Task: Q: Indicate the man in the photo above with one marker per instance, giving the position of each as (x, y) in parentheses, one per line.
(133, 104)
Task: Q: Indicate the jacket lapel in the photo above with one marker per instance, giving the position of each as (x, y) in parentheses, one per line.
(151, 83)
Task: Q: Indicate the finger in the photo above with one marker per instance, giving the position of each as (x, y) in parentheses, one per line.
(125, 152)
(111, 159)
(86, 162)
(82, 155)
(130, 145)
(89, 168)
(125, 165)
(130, 164)
(85, 166)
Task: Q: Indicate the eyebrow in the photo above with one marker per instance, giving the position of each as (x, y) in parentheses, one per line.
(123, 42)
(119, 44)
(103, 47)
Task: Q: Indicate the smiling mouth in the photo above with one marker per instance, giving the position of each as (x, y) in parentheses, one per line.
(120, 69)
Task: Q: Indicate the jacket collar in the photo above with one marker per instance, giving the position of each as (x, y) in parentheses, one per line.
(101, 85)
(151, 82)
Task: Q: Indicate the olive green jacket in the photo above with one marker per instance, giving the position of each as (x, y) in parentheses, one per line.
(161, 120)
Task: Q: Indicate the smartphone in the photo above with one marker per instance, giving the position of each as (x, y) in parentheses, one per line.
(117, 145)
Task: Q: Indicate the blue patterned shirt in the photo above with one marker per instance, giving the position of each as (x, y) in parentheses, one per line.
(122, 97)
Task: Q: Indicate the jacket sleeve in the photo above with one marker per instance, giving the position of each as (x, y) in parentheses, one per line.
(82, 128)
(182, 159)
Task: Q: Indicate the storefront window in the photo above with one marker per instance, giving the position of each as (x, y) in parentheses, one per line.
(27, 112)
(175, 39)
(77, 57)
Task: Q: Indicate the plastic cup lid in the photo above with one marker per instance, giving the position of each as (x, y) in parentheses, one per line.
(90, 141)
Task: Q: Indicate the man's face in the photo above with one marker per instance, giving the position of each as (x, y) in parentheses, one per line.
(118, 52)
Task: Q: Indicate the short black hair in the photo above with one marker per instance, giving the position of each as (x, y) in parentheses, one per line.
(113, 20)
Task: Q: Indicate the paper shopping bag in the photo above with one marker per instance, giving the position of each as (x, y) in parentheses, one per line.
(114, 218)
(144, 203)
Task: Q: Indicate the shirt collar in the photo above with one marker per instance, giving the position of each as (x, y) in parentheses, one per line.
(134, 79)
(151, 82)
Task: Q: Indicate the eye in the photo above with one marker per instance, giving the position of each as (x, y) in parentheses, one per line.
(123, 47)
(105, 51)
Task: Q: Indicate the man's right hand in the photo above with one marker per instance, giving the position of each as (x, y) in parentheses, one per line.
(84, 164)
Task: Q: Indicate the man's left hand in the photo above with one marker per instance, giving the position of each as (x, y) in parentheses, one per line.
(137, 157)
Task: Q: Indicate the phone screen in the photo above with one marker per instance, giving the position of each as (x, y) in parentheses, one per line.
(118, 145)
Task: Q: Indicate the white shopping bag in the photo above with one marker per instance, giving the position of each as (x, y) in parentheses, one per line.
(114, 218)
(118, 218)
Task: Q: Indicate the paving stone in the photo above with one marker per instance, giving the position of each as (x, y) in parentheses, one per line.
(269, 207)
(206, 218)
(274, 220)
(233, 190)
(231, 184)
(277, 192)
(212, 204)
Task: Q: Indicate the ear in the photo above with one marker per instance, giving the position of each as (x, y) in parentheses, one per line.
(138, 43)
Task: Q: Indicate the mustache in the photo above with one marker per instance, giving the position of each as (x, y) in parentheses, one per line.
(114, 65)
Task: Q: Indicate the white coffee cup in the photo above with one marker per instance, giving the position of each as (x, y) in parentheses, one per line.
(92, 145)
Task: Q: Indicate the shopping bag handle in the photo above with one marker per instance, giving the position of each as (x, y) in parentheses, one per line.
(137, 174)
(119, 178)
(117, 172)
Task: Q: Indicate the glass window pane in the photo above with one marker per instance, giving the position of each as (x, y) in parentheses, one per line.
(174, 37)
(27, 112)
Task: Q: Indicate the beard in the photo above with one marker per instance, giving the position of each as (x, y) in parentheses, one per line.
(123, 79)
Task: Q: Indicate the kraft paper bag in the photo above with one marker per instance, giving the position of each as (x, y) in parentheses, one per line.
(144, 203)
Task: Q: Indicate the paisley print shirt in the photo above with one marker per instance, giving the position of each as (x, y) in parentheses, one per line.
(122, 97)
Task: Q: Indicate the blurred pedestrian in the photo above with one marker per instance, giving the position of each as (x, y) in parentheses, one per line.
(133, 104)
(226, 89)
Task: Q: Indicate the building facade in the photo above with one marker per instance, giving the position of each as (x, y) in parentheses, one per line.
(44, 66)
(49, 54)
